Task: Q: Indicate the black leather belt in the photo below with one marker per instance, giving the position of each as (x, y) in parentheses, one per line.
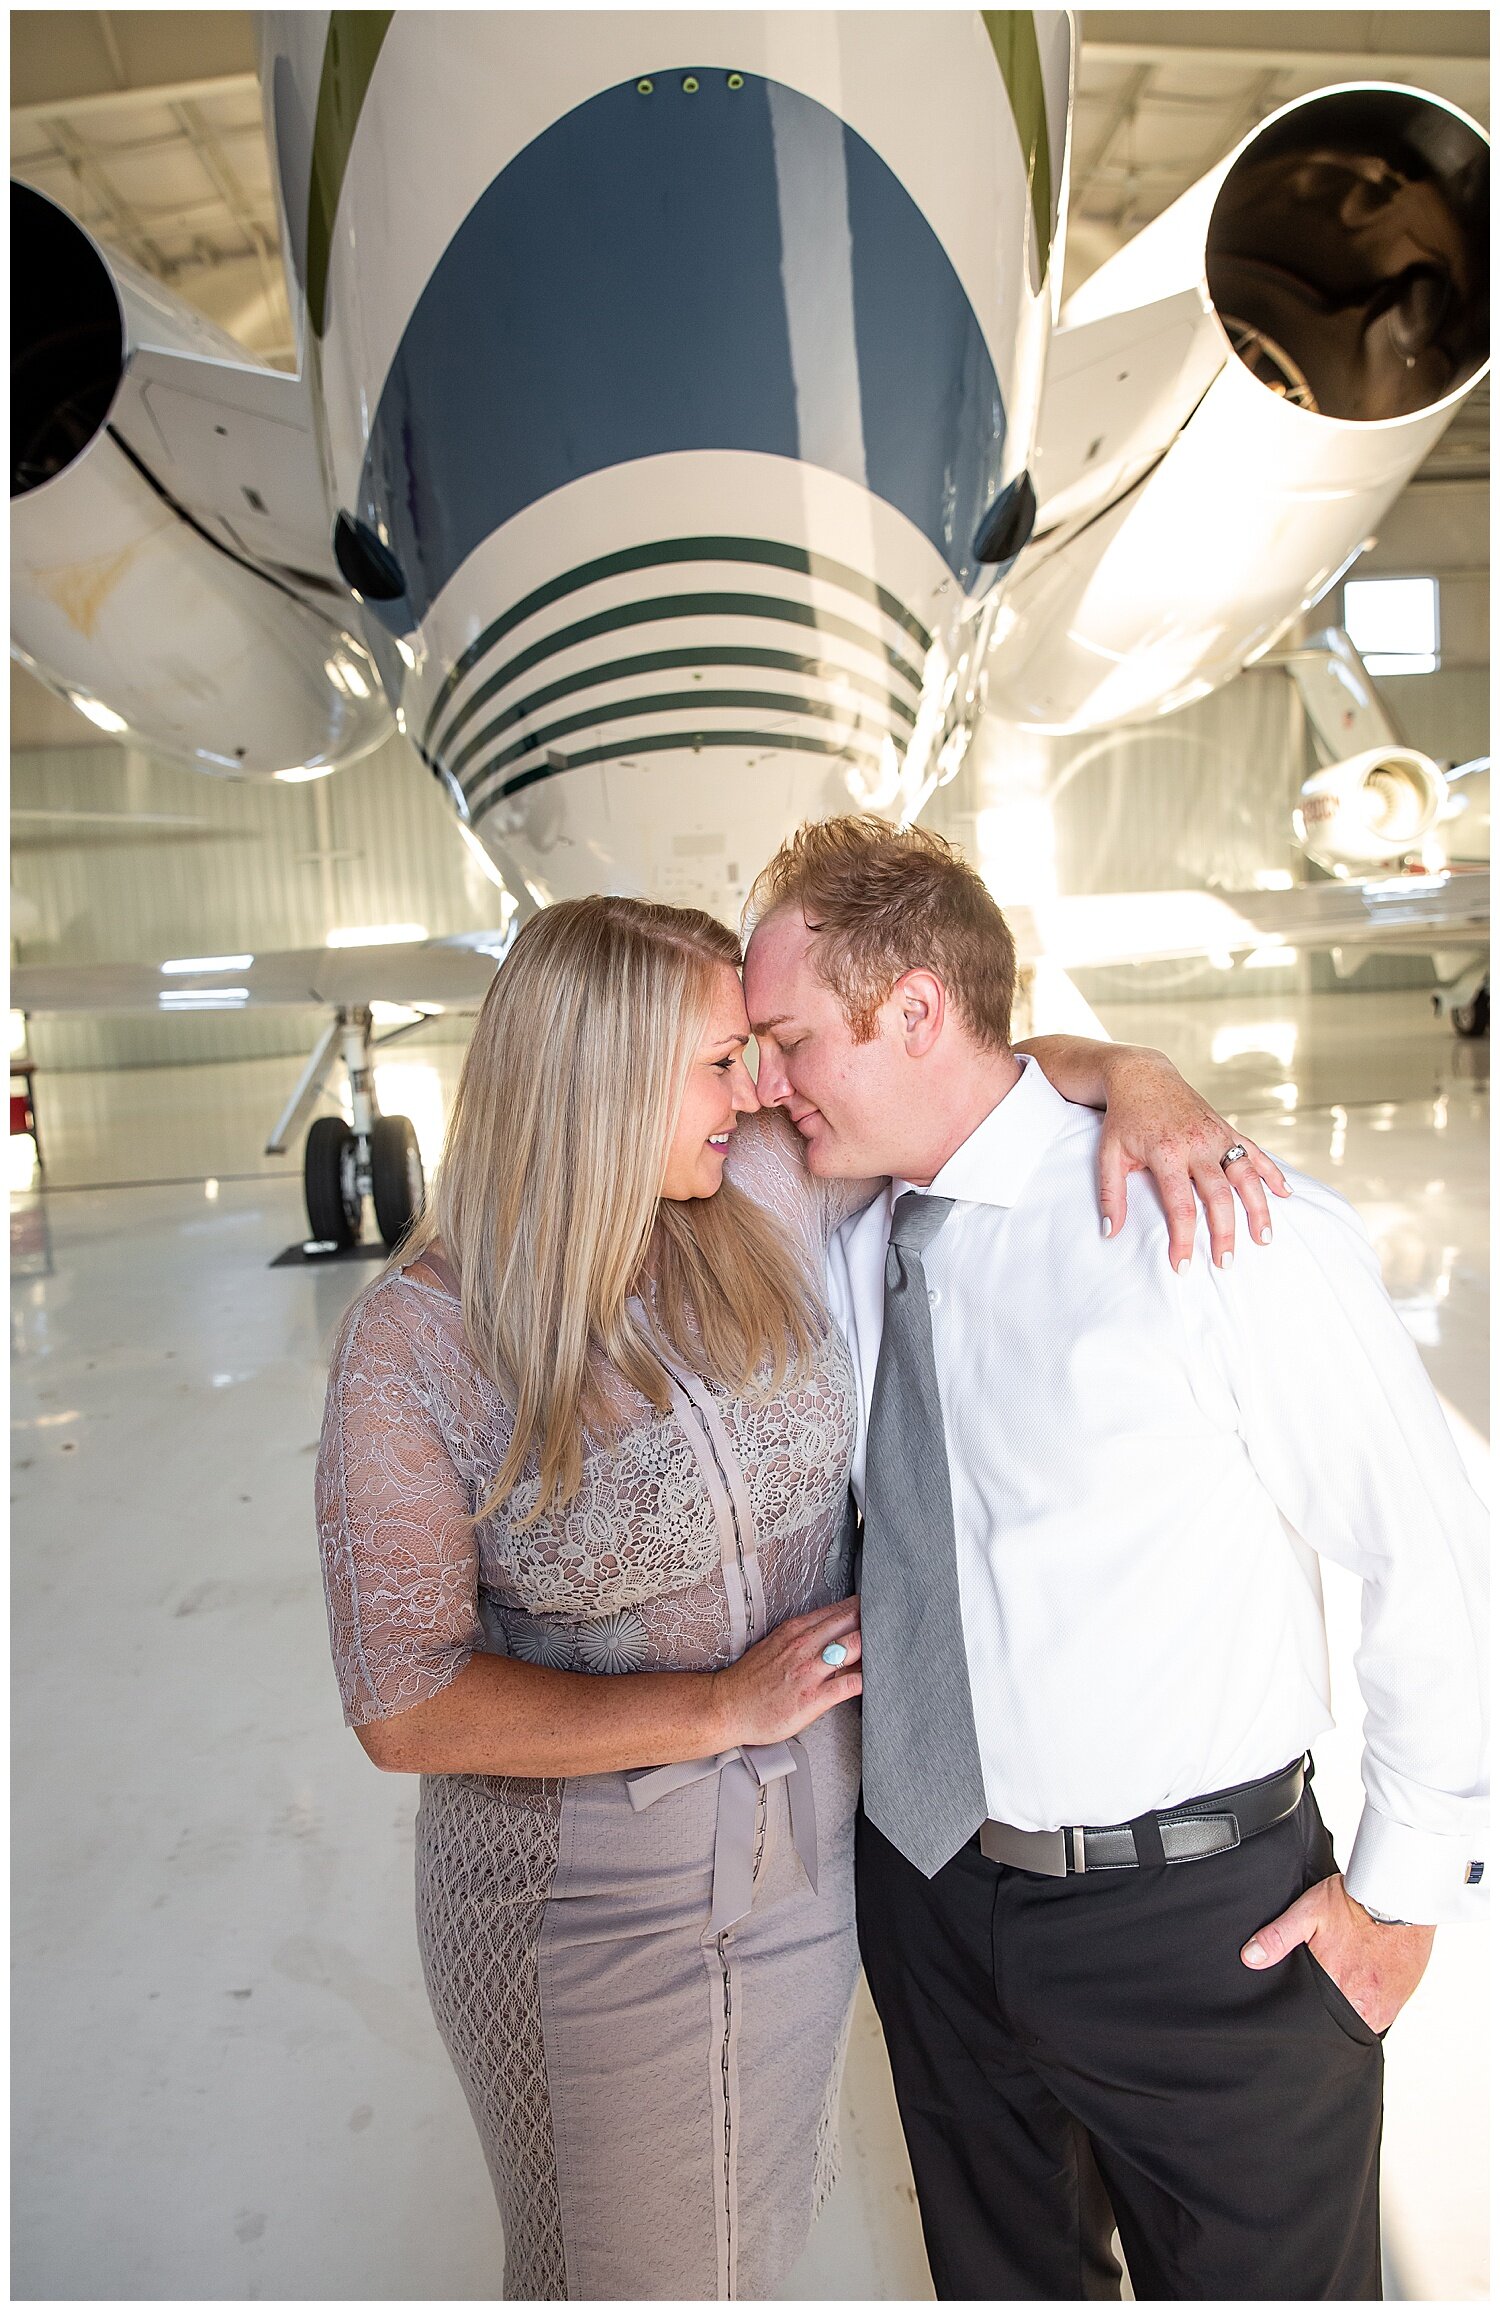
(1182, 1833)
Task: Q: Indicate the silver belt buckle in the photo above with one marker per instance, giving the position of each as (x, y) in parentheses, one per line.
(1043, 1851)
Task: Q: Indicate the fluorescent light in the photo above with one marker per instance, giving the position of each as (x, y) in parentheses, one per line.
(379, 935)
(210, 963)
(203, 998)
(309, 770)
(103, 717)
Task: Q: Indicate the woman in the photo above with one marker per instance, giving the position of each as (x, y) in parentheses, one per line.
(582, 1502)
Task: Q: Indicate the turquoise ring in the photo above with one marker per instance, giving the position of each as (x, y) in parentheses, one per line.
(835, 1654)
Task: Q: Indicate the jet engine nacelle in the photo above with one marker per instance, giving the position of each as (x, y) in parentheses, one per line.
(1235, 398)
(122, 599)
(1370, 811)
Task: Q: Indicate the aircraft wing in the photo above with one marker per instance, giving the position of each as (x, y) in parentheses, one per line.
(1347, 713)
(450, 974)
(1413, 913)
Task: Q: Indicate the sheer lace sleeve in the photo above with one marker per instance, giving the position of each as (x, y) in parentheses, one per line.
(400, 1561)
(839, 1200)
(766, 1162)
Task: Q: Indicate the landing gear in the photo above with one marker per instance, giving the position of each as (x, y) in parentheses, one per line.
(1472, 1020)
(1466, 1000)
(373, 1155)
(396, 1177)
(330, 1183)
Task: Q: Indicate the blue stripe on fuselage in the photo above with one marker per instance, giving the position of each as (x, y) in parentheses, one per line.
(619, 292)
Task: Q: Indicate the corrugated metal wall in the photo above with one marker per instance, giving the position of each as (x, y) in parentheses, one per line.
(118, 857)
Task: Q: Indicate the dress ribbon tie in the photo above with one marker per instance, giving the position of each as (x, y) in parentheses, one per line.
(743, 1773)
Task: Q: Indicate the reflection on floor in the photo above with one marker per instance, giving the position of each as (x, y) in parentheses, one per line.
(227, 2081)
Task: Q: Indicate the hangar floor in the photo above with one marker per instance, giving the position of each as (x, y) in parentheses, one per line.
(226, 2080)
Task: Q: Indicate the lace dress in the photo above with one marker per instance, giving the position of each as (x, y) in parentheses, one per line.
(642, 1993)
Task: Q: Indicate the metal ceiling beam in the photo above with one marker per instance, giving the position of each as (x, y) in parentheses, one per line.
(1247, 113)
(86, 172)
(62, 57)
(120, 103)
(1305, 35)
(1121, 109)
(109, 150)
(1363, 63)
(215, 165)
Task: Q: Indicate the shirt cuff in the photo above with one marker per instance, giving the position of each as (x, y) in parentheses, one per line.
(1428, 1877)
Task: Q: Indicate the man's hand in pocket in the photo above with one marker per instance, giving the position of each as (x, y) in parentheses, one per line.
(1377, 1967)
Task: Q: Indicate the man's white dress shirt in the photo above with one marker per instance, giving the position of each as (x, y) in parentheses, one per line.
(1145, 1470)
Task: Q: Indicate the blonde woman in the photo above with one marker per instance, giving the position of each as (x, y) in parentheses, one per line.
(582, 1498)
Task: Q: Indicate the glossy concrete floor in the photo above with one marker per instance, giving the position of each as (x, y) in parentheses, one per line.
(227, 2083)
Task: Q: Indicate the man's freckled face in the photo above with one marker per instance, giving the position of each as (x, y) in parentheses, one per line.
(835, 1090)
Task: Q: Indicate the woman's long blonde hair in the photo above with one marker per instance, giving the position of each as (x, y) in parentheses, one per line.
(548, 1200)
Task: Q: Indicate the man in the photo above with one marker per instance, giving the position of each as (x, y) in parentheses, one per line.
(1100, 1915)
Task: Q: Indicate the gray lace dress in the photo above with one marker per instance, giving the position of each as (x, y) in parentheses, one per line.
(644, 1979)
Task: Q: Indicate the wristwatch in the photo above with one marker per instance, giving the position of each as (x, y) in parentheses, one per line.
(1381, 1917)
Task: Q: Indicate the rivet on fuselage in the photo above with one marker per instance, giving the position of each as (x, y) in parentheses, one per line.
(690, 85)
(644, 87)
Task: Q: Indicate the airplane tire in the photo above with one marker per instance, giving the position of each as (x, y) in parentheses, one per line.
(1471, 1020)
(396, 1169)
(335, 1212)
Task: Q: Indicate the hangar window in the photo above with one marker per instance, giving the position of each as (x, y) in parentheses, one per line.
(1393, 623)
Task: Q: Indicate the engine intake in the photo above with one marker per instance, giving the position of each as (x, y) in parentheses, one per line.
(67, 341)
(1348, 254)
(1373, 810)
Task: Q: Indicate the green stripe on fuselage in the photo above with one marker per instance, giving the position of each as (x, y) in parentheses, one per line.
(665, 702)
(1012, 34)
(678, 742)
(659, 554)
(354, 41)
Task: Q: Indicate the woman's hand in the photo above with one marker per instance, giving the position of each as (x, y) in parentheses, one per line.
(1155, 1122)
(782, 1684)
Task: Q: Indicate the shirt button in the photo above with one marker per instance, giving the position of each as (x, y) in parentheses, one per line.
(933, 1296)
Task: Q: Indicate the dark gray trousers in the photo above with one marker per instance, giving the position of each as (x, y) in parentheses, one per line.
(1073, 2052)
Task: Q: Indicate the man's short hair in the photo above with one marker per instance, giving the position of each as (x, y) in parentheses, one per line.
(883, 900)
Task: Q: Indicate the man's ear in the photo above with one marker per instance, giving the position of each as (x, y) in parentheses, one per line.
(922, 1003)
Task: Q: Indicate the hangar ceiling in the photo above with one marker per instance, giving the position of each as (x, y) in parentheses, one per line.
(146, 125)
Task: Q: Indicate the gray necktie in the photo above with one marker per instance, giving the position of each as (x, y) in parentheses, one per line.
(923, 1785)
